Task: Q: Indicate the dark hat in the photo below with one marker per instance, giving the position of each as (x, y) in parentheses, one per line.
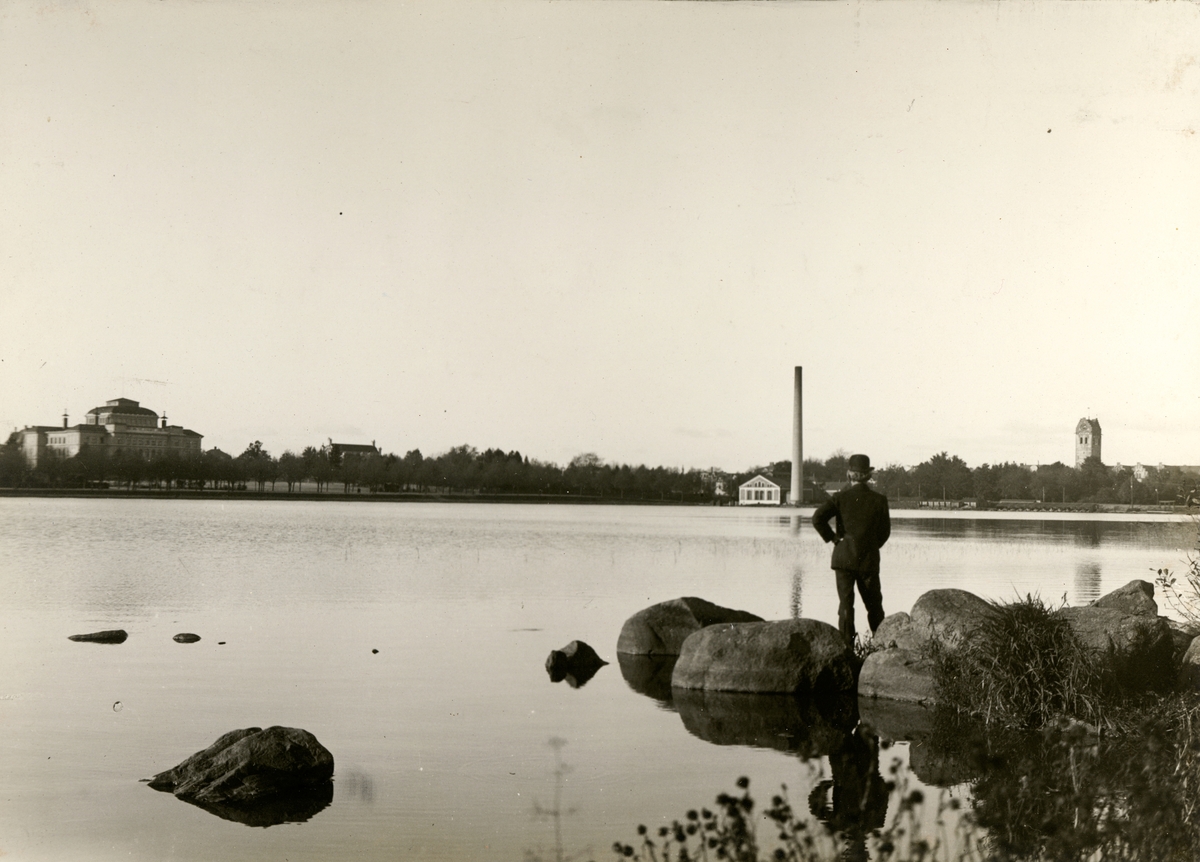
(860, 464)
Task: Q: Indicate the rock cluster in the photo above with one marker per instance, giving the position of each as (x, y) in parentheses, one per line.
(1122, 631)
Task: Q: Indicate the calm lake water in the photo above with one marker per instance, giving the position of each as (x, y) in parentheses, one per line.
(446, 739)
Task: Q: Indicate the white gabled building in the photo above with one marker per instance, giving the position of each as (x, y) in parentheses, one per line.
(759, 491)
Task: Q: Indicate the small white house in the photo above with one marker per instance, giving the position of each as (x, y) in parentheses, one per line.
(759, 491)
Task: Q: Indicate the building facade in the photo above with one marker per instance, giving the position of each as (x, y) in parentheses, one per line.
(121, 425)
(759, 491)
(1087, 440)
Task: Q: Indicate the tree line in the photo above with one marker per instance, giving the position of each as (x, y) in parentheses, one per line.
(466, 470)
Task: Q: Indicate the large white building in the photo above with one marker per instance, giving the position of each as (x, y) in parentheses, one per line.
(121, 425)
(759, 491)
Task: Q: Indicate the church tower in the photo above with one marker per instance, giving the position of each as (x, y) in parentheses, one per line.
(1087, 440)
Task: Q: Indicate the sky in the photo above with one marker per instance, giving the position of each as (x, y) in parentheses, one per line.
(609, 227)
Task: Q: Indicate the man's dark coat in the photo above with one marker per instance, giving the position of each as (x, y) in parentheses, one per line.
(863, 524)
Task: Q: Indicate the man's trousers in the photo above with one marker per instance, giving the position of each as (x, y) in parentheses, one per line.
(868, 588)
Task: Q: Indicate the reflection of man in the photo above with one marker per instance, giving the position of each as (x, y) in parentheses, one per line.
(862, 525)
(860, 794)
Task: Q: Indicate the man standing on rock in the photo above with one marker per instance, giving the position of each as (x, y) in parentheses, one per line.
(862, 526)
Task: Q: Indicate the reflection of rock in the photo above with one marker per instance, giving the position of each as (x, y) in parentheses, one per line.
(895, 721)
(804, 726)
(939, 766)
(291, 807)
(787, 656)
(661, 629)
(112, 636)
(938, 754)
(576, 663)
(250, 766)
(185, 638)
(649, 674)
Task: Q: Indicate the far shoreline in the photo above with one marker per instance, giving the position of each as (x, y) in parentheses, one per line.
(909, 507)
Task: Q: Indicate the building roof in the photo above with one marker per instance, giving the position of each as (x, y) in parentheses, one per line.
(759, 481)
(126, 406)
(1092, 425)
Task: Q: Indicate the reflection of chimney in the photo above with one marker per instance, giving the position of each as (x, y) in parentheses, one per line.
(64, 418)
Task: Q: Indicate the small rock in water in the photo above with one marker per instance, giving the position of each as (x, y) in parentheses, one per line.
(112, 636)
(576, 663)
(186, 638)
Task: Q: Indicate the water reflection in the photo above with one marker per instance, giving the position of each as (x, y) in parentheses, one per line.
(649, 675)
(797, 604)
(1087, 582)
(806, 727)
(294, 807)
(854, 801)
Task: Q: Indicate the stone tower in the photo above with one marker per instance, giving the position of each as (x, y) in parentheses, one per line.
(1087, 440)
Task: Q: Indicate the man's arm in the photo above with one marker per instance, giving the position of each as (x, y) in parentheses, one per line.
(885, 524)
(820, 519)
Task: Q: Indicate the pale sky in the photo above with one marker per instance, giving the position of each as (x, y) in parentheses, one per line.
(614, 227)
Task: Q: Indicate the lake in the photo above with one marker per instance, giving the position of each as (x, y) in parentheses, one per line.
(450, 741)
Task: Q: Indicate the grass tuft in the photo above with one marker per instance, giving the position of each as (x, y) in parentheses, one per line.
(1024, 669)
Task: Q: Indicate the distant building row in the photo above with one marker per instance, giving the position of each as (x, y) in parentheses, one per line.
(121, 425)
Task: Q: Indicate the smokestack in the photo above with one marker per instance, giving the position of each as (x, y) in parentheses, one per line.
(797, 490)
(64, 418)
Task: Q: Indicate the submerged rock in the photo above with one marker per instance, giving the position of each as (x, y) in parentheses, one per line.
(185, 638)
(576, 663)
(112, 636)
(661, 629)
(249, 766)
(788, 656)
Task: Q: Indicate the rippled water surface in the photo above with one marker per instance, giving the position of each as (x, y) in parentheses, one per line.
(445, 739)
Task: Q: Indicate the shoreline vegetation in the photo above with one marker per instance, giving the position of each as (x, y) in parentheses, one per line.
(568, 498)
(465, 473)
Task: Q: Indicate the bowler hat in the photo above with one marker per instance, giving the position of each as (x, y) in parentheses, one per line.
(860, 464)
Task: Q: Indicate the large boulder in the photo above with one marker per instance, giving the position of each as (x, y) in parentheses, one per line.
(897, 674)
(576, 663)
(1135, 598)
(789, 657)
(898, 630)
(1136, 649)
(949, 616)
(661, 629)
(248, 766)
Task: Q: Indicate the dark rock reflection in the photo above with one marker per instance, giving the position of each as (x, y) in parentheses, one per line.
(805, 727)
(295, 807)
(649, 675)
